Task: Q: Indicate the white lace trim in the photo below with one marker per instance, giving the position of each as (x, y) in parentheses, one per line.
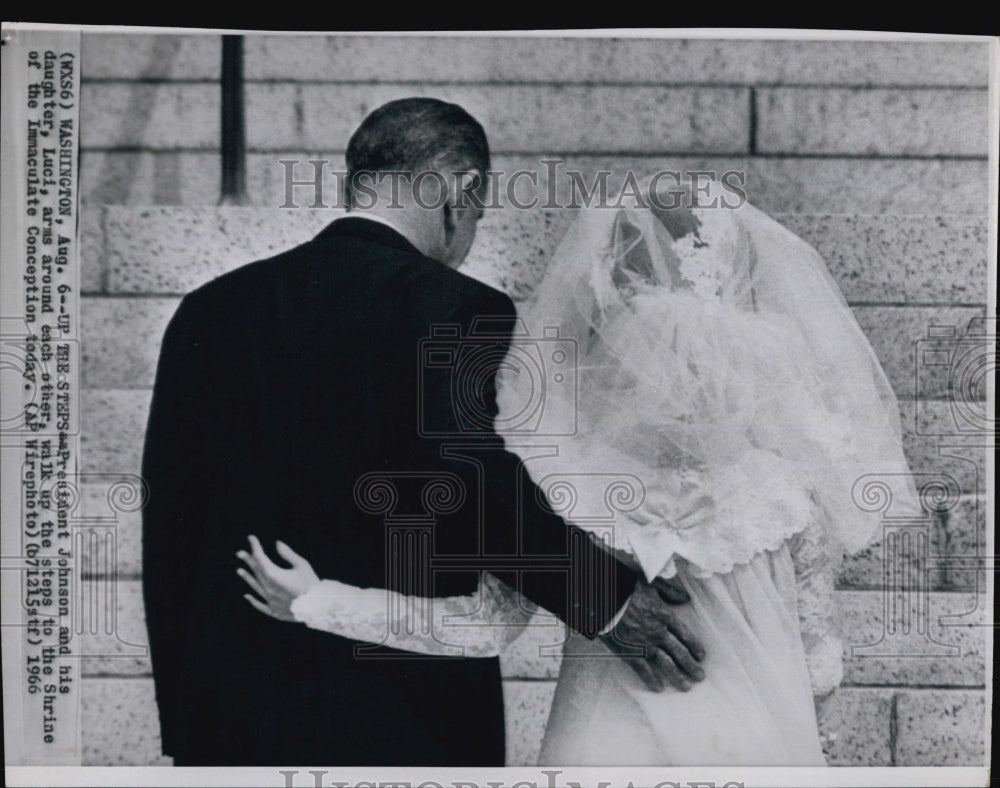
(715, 519)
(815, 580)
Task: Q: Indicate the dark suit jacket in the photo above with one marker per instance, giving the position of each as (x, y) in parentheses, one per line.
(289, 394)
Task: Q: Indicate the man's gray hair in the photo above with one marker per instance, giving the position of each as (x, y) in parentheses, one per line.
(413, 135)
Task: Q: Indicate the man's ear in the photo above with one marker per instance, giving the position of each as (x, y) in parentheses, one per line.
(460, 186)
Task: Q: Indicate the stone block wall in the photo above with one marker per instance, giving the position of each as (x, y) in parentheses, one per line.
(875, 152)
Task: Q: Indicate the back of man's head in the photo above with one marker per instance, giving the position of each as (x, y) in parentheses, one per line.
(412, 135)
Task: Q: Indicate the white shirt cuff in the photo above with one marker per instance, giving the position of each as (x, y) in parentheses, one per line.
(617, 617)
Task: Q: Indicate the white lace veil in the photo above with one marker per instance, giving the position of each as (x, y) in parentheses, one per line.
(699, 349)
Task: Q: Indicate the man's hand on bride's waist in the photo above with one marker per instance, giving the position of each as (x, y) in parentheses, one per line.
(654, 641)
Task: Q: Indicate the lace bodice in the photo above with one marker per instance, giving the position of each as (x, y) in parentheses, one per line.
(714, 517)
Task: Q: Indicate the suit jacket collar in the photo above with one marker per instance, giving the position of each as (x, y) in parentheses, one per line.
(368, 229)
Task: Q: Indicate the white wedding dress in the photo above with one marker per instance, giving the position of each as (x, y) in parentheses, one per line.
(721, 374)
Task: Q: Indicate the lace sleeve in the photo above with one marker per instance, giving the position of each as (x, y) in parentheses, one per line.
(815, 575)
(479, 625)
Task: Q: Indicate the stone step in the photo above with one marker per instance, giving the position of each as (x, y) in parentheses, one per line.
(640, 119)
(925, 727)
(550, 58)
(144, 115)
(941, 728)
(951, 655)
(120, 723)
(120, 342)
(133, 56)
(550, 118)
(526, 710)
(799, 184)
(858, 726)
(892, 259)
(956, 547)
(880, 122)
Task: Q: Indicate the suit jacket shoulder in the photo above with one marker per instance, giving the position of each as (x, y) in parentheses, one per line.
(255, 276)
(439, 292)
(446, 292)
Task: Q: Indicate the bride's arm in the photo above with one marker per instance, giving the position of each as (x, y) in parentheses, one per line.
(478, 625)
(481, 624)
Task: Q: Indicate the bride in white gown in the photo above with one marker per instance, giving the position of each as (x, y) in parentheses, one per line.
(719, 367)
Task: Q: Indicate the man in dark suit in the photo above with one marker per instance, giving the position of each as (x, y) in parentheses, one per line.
(291, 395)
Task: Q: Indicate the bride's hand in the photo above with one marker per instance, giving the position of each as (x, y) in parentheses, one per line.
(278, 587)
